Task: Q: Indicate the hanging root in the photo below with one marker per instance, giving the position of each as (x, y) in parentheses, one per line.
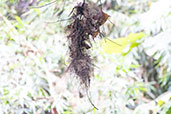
(88, 96)
(81, 63)
(87, 19)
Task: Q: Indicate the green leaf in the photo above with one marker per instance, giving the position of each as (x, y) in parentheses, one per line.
(98, 77)
(68, 112)
(38, 12)
(111, 47)
(6, 91)
(160, 103)
(11, 1)
(168, 111)
(19, 20)
(134, 65)
(41, 92)
(94, 110)
(5, 102)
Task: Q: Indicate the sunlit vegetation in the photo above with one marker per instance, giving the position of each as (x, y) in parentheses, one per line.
(130, 57)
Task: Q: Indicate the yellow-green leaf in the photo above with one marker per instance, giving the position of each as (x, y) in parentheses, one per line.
(160, 103)
(111, 48)
(37, 11)
(19, 20)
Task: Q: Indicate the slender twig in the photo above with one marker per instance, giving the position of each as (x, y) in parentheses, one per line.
(110, 39)
(59, 20)
(113, 42)
(88, 96)
(44, 5)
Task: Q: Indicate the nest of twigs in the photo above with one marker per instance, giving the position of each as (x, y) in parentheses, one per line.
(85, 26)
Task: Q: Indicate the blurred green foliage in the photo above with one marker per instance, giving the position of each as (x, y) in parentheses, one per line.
(133, 77)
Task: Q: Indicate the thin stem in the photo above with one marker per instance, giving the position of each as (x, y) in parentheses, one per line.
(88, 96)
(44, 5)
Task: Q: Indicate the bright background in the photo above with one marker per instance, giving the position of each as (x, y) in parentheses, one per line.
(133, 77)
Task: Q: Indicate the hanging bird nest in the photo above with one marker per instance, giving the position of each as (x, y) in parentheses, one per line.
(85, 26)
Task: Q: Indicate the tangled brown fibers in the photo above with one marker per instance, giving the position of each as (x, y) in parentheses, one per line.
(86, 21)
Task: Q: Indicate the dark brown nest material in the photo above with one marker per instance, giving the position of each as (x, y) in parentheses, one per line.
(86, 21)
